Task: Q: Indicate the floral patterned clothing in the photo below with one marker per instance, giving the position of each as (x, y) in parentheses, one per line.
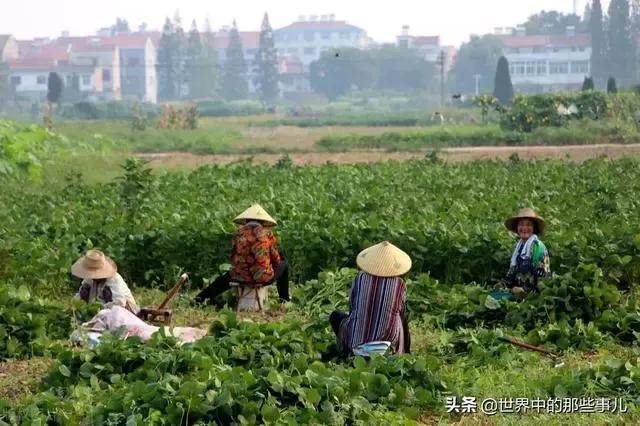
(255, 254)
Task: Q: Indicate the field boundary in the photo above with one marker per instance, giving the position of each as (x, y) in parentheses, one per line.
(576, 153)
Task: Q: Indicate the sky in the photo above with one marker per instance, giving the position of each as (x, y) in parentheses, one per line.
(453, 20)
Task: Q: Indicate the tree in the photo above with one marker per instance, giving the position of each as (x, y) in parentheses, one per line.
(401, 69)
(587, 84)
(598, 44)
(551, 23)
(503, 89)
(121, 27)
(621, 45)
(55, 86)
(194, 62)
(166, 59)
(6, 90)
(335, 73)
(479, 56)
(180, 57)
(234, 73)
(267, 65)
(210, 75)
(612, 87)
(635, 28)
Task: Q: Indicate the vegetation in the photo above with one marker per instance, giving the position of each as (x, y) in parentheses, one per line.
(502, 88)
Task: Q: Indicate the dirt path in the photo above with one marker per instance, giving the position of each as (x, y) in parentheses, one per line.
(569, 152)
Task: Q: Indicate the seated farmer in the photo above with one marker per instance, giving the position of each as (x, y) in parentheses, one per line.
(255, 258)
(101, 282)
(530, 259)
(377, 301)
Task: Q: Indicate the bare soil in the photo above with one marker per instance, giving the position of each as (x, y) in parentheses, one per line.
(577, 153)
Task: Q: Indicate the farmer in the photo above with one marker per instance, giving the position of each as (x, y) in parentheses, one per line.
(255, 257)
(530, 259)
(101, 282)
(377, 301)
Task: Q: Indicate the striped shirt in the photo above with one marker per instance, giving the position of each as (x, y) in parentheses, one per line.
(376, 304)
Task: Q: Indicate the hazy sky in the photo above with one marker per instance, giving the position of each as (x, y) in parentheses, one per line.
(454, 20)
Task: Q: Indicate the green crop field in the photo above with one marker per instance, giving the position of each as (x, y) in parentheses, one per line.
(67, 191)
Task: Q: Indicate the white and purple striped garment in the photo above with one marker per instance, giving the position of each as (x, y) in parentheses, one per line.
(376, 304)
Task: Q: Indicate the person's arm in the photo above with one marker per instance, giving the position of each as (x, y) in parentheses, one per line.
(117, 293)
(274, 251)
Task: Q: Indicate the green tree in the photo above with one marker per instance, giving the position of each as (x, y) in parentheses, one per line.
(503, 89)
(612, 86)
(401, 69)
(587, 84)
(621, 45)
(479, 56)
(234, 73)
(336, 72)
(598, 44)
(180, 57)
(55, 86)
(551, 23)
(121, 27)
(267, 65)
(210, 75)
(194, 63)
(166, 58)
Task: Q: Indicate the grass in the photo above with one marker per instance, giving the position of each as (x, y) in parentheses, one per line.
(586, 132)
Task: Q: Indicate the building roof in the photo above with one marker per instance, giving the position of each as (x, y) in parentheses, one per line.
(36, 64)
(320, 25)
(425, 40)
(516, 41)
(249, 39)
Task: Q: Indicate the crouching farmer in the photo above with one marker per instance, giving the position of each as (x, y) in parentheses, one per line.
(377, 302)
(530, 258)
(101, 282)
(255, 257)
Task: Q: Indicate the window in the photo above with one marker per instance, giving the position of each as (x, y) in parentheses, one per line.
(517, 68)
(251, 51)
(538, 49)
(541, 68)
(133, 62)
(309, 36)
(86, 79)
(531, 68)
(580, 67)
(582, 49)
(326, 35)
(68, 80)
(558, 68)
(41, 79)
(16, 80)
(106, 75)
(292, 51)
(309, 50)
(344, 35)
(556, 49)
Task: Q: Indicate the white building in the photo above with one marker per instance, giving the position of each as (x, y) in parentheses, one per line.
(547, 63)
(307, 39)
(428, 47)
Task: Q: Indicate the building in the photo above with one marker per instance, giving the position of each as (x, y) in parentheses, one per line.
(547, 63)
(92, 68)
(428, 47)
(307, 39)
(292, 76)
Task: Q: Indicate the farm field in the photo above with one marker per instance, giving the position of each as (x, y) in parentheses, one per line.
(270, 368)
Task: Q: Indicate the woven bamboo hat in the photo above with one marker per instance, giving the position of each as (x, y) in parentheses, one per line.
(384, 260)
(94, 265)
(512, 222)
(255, 212)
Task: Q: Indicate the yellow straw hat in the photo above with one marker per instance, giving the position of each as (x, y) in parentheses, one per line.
(94, 265)
(255, 212)
(384, 260)
(512, 222)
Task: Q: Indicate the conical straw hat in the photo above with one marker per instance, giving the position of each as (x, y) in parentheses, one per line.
(255, 212)
(94, 265)
(527, 213)
(384, 260)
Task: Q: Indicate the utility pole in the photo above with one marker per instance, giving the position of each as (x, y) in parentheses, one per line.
(477, 78)
(441, 62)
